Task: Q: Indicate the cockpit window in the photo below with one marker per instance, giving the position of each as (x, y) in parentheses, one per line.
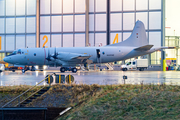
(15, 52)
(19, 51)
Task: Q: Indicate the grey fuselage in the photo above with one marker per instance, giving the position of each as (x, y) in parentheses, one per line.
(37, 56)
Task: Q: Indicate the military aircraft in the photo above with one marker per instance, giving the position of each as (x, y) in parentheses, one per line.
(136, 45)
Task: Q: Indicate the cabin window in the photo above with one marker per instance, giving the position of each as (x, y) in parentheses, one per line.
(34, 54)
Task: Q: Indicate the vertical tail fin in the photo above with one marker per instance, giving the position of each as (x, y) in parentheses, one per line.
(137, 38)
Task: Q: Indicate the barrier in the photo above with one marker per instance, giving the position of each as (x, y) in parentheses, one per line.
(60, 79)
(49, 79)
(69, 79)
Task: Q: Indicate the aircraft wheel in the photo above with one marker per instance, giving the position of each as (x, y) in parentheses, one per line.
(74, 70)
(13, 70)
(62, 69)
(23, 71)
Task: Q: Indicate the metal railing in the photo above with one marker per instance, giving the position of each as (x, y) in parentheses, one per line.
(18, 97)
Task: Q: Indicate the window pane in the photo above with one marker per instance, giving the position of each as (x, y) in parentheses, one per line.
(100, 39)
(10, 7)
(154, 16)
(80, 6)
(56, 23)
(68, 23)
(116, 5)
(154, 4)
(101, 5)
(56, 40)
(128, 21)
(2, 25)
(56, 6)
(67, 6)
(31, 41)
(31, 25)
(45, 24)
(20, 41)
(10, 42)
(113, 35)
(155, 39)
(47, 45)
(142, 16)
(20, 7)
(128, 5)
(2, 4)
(10, 24)
(91, 5)
(44, 6)
(91, 22)
(100, 22)
(116, 21)
(126, 35)
(80, 40)
(2, 42)
(91, 39)
(79, 22)
(31, 7)
(68, 40)
(141, 4)
(20, 25)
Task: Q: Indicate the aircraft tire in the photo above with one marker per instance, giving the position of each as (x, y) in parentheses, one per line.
(62, 69)
(13, 70)
(23, 71)
(74, 70)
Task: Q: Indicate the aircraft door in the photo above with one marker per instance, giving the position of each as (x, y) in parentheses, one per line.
(98, 55)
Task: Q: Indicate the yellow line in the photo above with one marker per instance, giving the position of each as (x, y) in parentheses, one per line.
(69, 79)
(59, 78)
(49, 79)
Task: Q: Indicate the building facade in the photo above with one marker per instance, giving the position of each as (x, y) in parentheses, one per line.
(78, 23)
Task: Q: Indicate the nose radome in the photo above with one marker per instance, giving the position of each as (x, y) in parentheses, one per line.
(6, 59)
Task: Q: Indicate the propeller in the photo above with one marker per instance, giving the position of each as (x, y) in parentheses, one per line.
(55, 54)
(49, 56)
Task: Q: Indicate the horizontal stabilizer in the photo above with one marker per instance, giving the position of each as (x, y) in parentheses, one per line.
(144, 48)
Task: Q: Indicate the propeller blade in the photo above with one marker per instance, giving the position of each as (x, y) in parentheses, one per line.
(55, 54)
(49, 57)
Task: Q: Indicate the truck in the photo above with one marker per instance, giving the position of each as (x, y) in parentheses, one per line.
(138, 64)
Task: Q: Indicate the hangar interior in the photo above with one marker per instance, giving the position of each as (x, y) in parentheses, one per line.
(80, 23)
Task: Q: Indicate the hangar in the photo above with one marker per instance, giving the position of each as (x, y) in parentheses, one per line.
(80, 23)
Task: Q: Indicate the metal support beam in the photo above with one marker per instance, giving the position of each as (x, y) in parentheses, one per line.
(162, 32)
(87, 23)
(108, 21)
(37, 23)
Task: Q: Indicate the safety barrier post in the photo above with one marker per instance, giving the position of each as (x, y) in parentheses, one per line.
(69, 79)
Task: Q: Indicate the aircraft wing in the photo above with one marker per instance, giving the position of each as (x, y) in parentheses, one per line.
(74, 57)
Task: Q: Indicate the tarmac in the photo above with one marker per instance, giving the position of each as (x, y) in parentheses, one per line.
(9, 78)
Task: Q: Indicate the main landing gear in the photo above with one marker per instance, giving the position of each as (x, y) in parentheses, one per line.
(63, 69)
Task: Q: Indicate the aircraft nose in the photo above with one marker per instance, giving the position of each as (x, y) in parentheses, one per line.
(6, 59)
